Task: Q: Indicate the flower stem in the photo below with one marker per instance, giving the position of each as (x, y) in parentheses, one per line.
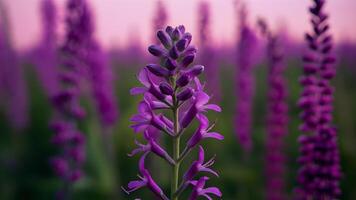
(176, 152)
(175, 173)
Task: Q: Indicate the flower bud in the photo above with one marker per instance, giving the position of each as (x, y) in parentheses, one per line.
(169, 30)
(183, 80)
(173, 53)
(181, 29)
(157, 70)
(156, 50)
(166, 88)
(182, 44)
(188, 37)
(170, 64)
(196, 70)
(190, 50)
(185, 94)
(176, 34)
(188, 59)
(164, 38)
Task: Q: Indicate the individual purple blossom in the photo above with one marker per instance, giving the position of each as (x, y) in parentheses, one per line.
(152, 146)
(199, 105)
(146, 180)
(12, 79)
(68, 111)
(199, 166)
(208, 57)
(203, 132)
(46, 59)
(320, 171)
(172, 85)
(277, 117)
(245, 81)
(199, 189)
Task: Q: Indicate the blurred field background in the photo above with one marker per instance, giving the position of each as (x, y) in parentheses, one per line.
(26, 174)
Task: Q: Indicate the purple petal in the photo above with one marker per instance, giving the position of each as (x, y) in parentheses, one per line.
(205, 169)
(143, 78)
(213, 107)
(212, 190)
(214, 135)
(134, 185)
(201, 155)
(201, 99)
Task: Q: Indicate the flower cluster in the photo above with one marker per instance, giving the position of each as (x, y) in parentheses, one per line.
(172, 85)
(245, 82)
(320, 170)
(68, 164)
(277, 117)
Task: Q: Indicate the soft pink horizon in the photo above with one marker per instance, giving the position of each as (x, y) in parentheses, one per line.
(119, 20)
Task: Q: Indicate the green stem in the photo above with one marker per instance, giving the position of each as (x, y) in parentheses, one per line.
(176, 153)
(175, 173)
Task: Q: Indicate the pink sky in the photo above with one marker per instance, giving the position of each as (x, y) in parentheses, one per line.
(116, 20)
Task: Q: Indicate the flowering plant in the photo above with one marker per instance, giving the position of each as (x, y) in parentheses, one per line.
(172, 85)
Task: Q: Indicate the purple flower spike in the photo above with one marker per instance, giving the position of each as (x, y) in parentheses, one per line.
(245, 82)
(179, 92)
(320, 171)
(199, 166)
(199, 190)
(80, 58)
(277, 118)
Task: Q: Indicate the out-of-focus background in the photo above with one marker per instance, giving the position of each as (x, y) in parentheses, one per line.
(125, 28)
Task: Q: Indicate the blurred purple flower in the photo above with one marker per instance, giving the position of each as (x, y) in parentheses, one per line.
(102, 82)
(172, 86)
(12, 79)
(277, 117)
(208, 57)
(74, 51)
(320, 171)
(245, 81)
(46, 58)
